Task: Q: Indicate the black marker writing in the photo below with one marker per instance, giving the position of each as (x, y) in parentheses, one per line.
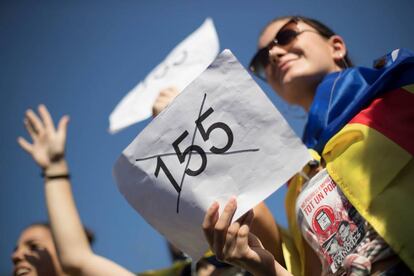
(181, 155)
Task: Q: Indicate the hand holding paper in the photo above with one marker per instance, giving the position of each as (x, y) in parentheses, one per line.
(234, 243)
(221, 137)
(165, 97)
(185, 62)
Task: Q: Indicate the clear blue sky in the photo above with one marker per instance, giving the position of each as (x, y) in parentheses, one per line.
(81, 57)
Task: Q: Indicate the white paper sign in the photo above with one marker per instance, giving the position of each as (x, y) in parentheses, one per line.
(221, 137)
(185, 62)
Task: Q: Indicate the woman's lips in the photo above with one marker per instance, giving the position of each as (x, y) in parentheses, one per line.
(284, 65)
(21, 271)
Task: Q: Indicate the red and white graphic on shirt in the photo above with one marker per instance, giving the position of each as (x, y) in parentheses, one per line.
(323, 220)
(327, 214)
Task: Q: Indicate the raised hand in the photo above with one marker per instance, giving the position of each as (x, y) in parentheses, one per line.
(48, 143)
(48, 149)
(164, 98)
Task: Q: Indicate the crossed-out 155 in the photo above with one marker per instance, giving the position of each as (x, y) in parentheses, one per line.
(181, 155)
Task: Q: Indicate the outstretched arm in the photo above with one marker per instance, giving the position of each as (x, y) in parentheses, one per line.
(235, 244)
(47, 150)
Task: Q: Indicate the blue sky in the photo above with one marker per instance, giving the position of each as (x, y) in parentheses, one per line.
(81, 57)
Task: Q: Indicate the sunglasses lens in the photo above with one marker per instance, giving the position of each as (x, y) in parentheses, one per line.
(284, 37)
(261, 60)
(259, 63)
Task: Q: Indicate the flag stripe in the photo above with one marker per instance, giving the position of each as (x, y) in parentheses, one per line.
(409, 88)
(376, 175)
(392, 114)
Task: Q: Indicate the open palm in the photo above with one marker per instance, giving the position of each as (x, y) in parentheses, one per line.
(48, 143)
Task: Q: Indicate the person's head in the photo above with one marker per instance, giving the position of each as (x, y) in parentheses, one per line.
(295, 53)
(332, 246)
(35, 252)
(344, 230)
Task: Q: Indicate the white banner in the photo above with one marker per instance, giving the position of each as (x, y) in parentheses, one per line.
(221, 137)
(185, 62)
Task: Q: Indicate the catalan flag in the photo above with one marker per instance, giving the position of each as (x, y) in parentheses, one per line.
(371, 160)
(342, 95)
(362, 123)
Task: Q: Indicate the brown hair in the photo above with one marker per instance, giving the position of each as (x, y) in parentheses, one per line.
(321, 28)
(89, 234)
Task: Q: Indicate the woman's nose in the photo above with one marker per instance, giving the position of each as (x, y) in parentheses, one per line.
(275, 53)
(17, 255)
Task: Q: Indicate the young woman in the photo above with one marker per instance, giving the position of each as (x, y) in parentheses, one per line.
(35, 252)
(347, 210)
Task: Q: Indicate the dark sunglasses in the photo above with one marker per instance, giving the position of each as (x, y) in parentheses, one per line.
(283, 37)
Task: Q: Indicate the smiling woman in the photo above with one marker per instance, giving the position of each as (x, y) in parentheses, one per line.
(301, 53)
(342, 208)
(35, 253)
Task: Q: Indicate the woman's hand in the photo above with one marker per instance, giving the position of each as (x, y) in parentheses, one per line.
(234, 243)
(164, 98)
(48, 144)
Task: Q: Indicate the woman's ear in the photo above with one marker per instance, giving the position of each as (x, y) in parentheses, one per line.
(338, 49)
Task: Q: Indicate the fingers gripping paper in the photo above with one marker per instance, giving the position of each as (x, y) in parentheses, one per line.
(220, 137)
(185, 62)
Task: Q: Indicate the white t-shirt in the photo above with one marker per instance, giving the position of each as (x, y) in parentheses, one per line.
(340, 236)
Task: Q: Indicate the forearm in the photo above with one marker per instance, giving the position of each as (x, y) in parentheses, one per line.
(70, 238)
(265, 266)
(265, 228)
(75, 253)
(275, 269)
(47, 150)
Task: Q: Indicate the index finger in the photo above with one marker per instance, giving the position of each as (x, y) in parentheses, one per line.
(210, 220)
(35, 124)
(223, 223)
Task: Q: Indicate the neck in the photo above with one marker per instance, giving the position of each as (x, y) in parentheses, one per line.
(306, 89)
(310, 90)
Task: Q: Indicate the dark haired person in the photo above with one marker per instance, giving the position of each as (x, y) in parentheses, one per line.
(35, 252)
(359, 129)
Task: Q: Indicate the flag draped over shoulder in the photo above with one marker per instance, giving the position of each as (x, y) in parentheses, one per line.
(361, 122)
(341, 95)
(371, 156)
